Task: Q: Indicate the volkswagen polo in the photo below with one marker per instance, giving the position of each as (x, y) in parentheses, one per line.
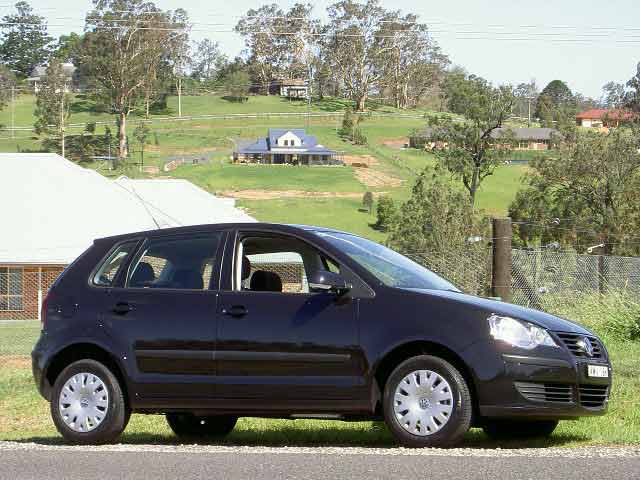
(206, 324)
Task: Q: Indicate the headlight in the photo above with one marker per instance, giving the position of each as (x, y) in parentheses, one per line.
(518, 333)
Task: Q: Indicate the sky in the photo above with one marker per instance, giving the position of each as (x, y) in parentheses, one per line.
(586, 43)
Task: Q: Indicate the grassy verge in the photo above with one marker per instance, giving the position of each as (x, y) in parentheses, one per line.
(24, 416)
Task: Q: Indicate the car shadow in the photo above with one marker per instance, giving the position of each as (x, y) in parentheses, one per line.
(376, 437)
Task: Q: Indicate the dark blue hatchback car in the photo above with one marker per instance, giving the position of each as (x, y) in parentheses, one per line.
(209, 323)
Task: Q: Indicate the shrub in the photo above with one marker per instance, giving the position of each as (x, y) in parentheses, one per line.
(613, 315)
(386, 213)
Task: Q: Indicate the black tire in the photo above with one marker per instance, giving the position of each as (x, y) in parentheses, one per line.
(459, 420)
(117, 414)
(191, 426)
(502, 429)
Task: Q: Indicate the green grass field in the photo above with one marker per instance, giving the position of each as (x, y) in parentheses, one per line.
(213, 139)
(24, 415)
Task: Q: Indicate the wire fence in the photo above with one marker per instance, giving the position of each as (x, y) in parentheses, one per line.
(542, 279)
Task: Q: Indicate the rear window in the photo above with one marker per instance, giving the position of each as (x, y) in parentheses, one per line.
(111, 267)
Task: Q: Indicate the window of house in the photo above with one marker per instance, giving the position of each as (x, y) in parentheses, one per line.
(278, 264)
(177, 263)
(11, 289)
(108, 271)
(523, 145)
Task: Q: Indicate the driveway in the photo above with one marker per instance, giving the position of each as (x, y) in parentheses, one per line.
(28, 460)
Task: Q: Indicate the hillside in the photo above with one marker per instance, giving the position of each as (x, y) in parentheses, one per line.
(328, 196)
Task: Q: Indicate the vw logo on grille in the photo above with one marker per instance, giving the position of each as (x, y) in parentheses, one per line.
(584, 344)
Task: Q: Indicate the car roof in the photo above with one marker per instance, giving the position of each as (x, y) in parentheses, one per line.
(282, 227)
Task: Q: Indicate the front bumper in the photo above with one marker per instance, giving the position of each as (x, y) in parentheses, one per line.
(548, 388)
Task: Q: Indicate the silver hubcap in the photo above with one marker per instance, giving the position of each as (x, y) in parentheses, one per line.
(423, 402)
(83, 402)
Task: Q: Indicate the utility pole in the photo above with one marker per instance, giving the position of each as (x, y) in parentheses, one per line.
(62, 122)
(529, 102)
(501, 274)
(179, 96)
(13, 111)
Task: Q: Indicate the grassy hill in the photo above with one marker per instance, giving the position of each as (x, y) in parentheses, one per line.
(328, 196)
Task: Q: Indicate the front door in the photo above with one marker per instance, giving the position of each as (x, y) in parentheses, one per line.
(164, 317)
(279, 342)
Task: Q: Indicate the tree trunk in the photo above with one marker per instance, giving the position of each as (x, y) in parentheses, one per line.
(361, 102)
(473, 188)
(123, 151)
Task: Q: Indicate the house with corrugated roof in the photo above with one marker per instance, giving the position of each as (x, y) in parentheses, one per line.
(284, 146)
(603, 118)
(54, 209)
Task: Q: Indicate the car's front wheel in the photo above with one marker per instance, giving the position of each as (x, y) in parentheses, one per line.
(189, 425)
(427, 403)
(499, 429)
(87, 404)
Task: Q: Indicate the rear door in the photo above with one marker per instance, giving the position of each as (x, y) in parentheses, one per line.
(163, 316)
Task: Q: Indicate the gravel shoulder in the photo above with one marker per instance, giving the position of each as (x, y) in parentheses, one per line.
(548, 452)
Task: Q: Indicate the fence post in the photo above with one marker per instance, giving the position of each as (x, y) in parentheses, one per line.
(501, 273)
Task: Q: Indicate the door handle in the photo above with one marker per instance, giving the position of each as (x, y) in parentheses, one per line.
(122, 308)
(235, 311)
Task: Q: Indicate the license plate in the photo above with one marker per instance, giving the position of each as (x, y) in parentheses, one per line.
(601, 371)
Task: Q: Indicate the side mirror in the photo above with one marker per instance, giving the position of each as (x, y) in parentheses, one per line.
(325, 281)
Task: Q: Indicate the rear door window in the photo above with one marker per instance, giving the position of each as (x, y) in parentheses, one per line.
(184, 263)
(108, 271)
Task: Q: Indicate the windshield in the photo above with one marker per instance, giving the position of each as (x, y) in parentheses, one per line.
(391, 268)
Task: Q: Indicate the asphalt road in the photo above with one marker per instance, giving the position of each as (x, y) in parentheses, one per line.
(30, 461)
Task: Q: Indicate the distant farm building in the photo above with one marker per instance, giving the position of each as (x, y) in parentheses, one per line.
(286, 147)
(601, 118)
(39, 75)
(525, 138)
(294, 88)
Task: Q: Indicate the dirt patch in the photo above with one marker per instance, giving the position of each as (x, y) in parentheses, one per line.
(360, 160)
(373, 178)
(15, 362)
(276, 194)
(395, 142)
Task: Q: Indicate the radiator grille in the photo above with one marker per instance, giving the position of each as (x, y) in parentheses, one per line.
(593, 396)
(546, 392)
(574, 341)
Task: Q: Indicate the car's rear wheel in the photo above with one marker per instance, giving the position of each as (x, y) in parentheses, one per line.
(189, 425)
(502, 429)
(88, 405)
(427, 403)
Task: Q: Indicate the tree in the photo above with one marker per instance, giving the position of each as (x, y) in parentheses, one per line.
(7, 82)
(67, 48)
(351, 128)
(52, 103)
(178, 51)
(386, 213)
(436, 218)
(367, 201)
(237, 85)
(262, 31)
(353, 48)
(25, 40)
(526, 96)
(469, 149)
(410, 62)
(141, 134)
(123, 43)
(585, 195)
(556, 95)
(632, 98)
(613, 95)
(209, 60)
